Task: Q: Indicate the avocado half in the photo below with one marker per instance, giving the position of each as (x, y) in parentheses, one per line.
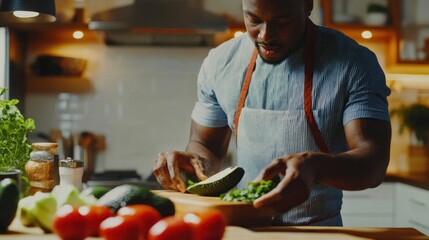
(219, 183)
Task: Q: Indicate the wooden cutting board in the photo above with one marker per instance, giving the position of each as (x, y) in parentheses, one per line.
(237, 213)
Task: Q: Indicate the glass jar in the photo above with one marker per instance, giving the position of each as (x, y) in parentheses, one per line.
(42, 167)
(71, 172)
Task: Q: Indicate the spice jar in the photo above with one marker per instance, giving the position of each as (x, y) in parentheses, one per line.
(41, 167)
(71, 172)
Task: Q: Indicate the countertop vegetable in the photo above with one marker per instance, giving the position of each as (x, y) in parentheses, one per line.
(250, 193)
(9, 197)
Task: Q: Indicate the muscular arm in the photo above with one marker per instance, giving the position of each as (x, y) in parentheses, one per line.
(364, 165)
(211, 144)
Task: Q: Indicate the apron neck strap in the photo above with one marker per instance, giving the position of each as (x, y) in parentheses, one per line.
(308, 86)
(244, 91)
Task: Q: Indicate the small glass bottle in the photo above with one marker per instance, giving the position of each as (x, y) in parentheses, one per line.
(71, 172)
(41, 167)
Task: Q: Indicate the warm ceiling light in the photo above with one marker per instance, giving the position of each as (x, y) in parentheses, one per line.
(27, 11)
(78, 34)
(366, 34)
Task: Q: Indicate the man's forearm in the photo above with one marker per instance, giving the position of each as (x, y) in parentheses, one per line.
(364, 166)
(211, 162)
(352, 170)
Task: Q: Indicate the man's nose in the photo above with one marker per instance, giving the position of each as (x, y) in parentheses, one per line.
(266, 32)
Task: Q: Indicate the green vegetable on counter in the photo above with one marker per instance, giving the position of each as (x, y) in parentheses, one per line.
(249, 194)
(39, 209)
(9, 197)
(129, 194)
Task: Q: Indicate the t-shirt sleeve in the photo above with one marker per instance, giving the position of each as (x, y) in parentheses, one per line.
(207, 110)
(368, 92)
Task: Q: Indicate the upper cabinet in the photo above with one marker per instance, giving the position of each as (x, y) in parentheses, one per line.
(414, 32)
(364, 19)
(401, 25)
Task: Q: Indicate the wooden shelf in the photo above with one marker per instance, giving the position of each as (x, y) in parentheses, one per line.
(355, 31)
(58, 84)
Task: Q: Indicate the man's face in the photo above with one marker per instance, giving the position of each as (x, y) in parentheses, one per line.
(276, 26)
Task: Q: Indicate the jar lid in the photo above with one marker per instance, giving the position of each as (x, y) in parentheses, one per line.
(71, 163)
(41, 155)
(45, 146)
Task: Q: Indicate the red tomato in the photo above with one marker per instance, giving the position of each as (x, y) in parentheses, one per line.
(69, 224)
(209, 225)
(171, 228)
(146, 214)
(120, 227)
(94, 216)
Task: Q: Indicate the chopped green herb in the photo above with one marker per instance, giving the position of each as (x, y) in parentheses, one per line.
(190, 183)
(249, 194)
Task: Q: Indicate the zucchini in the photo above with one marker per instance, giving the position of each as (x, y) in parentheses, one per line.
(129, 194)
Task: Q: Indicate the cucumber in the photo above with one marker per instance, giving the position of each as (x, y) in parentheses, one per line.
(9, 198)
(129, 194)
(96, 191)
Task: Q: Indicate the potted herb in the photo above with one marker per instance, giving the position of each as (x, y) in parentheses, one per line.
(376, 14)
(14, 146)
(415, 118)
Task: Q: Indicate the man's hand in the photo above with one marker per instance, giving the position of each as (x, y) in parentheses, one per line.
(169, 166)
(294, 188)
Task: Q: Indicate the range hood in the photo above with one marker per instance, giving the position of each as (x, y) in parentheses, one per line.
(159, 22)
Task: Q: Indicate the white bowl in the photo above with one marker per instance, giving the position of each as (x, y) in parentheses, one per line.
(376, 19)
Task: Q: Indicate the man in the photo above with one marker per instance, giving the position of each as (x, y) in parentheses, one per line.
(311, 106)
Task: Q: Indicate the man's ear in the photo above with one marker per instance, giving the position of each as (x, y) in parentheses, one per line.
(308, 7)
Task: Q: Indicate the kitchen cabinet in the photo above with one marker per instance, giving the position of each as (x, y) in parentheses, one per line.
(50, 42)
(392, 204)
(370, 207)
(414, 31)
(405, 33)
(47, 39)
(412, 208)
(349, 16)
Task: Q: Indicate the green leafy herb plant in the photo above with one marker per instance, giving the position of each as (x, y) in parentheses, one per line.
(14, 146)
(375, 7)
(415, 117)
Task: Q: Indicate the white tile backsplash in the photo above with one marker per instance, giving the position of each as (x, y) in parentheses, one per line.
(142, 101)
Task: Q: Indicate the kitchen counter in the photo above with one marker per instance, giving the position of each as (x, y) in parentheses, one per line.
(419, 180)
(18, 232)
